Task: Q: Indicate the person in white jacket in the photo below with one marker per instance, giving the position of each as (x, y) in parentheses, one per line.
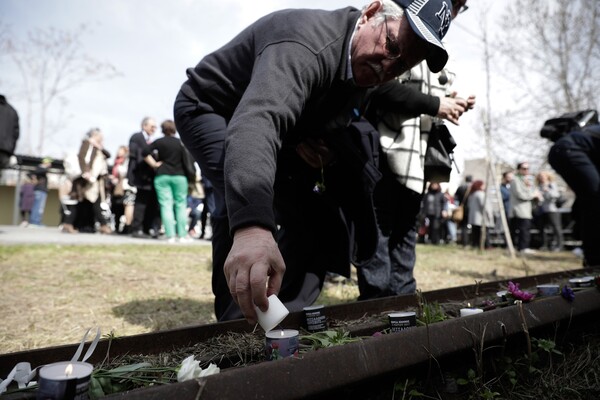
(522, 194)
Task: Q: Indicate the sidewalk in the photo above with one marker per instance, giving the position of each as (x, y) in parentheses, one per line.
(10, 234)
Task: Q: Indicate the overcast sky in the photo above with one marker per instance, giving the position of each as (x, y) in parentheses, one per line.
(152, 42)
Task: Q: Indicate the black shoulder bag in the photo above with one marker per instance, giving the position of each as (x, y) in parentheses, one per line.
(439, 155)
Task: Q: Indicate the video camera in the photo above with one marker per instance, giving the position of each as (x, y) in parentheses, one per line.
(556, 128)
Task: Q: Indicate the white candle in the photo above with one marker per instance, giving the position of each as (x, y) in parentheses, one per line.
(585, 281)
(470, 311)
(274, 315)
(64, 380)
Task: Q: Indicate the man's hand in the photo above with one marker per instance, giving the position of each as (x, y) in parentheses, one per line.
(452, 107)
(254, 269)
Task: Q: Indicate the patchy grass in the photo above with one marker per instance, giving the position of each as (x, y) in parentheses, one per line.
(51, 294)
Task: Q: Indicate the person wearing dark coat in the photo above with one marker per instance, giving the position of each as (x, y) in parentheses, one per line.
(263, 116)
(146, 211)
(9, 131)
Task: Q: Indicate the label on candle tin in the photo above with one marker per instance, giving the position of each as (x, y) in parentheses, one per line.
(548, 290)
(281, 344)
(402, 320)
(316, 321)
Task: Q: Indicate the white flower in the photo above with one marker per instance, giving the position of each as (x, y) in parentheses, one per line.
(190, 369)
(210, 370)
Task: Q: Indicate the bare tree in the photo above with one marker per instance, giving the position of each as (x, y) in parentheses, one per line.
(51, 62)
(550, 50)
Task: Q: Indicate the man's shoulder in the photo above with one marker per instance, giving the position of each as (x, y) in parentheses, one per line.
(136, 136)
(311, 27)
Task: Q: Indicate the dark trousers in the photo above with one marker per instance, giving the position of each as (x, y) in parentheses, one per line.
(118, 209)
(551, 219)
(204, 134)
(390, 272)
(521, 234)
(146, 211)
(84, 215)
(209, 206)
(576, 157)
(476, 232)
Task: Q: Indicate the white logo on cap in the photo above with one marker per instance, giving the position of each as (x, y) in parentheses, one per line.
(444, 16)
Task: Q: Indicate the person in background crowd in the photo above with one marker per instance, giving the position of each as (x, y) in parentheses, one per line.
(576, 157)
(549, 215)
(9, 131)
(123, 196)
(146, 213)
(507, 178)
(165, 156)
(522, 195)
(450, 224)
(40, 191)
(26, 199)
(209, 207)
(434, 210)
(301, 76)
(195, 206)
(90, 188)
(460, 197)
(480, 214)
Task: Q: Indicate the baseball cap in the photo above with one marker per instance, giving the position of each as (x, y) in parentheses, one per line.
(430, 20)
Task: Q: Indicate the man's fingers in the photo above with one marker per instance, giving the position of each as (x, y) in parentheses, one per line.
(258, 285)
(275, 278)
(243, 294)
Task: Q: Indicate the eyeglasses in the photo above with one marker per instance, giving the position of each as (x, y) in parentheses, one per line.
(391, 46)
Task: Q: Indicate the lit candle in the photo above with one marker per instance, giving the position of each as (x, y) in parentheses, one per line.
(586, 281)
(281, 343)
(470, 311)
(65, 380)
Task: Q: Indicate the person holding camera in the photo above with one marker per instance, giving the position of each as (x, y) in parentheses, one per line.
(575, 155)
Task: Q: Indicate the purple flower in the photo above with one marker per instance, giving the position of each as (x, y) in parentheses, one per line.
(567, 293)
(518, 294)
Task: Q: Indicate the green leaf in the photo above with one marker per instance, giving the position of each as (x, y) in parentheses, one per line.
(96, 389)
(471, 374)
(130, 368)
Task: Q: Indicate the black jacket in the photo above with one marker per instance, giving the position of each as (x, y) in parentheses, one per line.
(9, 127)
(139, 174)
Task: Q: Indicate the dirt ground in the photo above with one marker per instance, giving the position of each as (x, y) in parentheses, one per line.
(51, 294)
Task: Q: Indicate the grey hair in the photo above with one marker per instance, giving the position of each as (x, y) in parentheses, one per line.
(146, 120)
(93, 132)
(390, 9)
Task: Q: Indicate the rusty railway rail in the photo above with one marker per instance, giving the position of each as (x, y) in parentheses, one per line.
(331, 369)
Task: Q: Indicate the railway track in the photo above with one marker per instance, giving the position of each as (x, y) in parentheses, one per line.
(351, 369)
